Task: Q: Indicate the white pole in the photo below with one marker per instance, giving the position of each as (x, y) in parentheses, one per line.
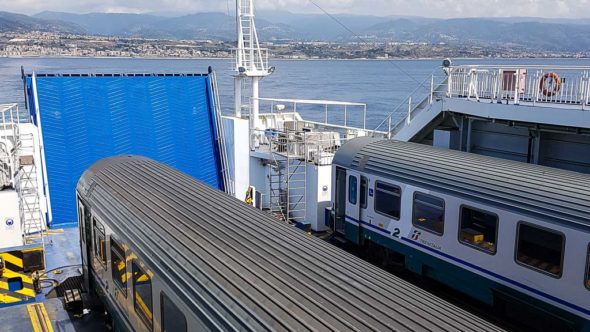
(239, 55)
(365, 117)
(409, 119)
(255, 102)
(430, 97)
(238, 97)
(517, 87)
(389, 127)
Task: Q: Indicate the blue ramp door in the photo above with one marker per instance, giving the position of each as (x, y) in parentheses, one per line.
(84, 118)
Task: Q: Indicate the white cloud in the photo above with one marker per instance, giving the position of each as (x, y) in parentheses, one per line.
(431, 8)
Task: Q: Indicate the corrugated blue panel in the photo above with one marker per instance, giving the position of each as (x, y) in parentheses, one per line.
(87, 118)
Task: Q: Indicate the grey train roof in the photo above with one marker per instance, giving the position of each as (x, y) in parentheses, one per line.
(538, 191)
(245, 270)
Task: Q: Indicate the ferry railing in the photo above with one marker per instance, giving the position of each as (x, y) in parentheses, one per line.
(566, 86)
(9, 134)
(420, 99)
(316, 147)
(326, 112)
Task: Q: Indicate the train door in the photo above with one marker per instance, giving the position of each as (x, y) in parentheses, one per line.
(340, 200)
(85, 242)
(353, 203)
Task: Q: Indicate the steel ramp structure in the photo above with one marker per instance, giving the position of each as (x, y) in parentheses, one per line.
(83, 118)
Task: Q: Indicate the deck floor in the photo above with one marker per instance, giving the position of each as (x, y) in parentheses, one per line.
(62, 258)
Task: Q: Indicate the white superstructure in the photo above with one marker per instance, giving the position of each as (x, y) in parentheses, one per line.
(21, 213)
(283, 147)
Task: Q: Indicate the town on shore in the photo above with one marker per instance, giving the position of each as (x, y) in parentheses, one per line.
(50, 44)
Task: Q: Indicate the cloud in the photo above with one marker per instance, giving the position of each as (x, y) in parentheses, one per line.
(430, 8)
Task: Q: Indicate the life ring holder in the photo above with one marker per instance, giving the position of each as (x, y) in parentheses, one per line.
(554, 88)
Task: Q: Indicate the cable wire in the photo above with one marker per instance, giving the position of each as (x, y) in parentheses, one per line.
(335, 19)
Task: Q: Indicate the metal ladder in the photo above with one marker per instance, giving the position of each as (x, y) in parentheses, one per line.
(27, 187)
(276, 175)
(288, 176)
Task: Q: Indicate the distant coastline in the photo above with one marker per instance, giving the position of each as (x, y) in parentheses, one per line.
(288, 59)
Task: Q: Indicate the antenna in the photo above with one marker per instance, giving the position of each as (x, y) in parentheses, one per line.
(251, 60)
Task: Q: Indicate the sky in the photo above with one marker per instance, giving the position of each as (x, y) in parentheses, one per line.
(429, 8)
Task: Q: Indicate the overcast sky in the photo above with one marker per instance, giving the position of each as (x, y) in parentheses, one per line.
(430, 8)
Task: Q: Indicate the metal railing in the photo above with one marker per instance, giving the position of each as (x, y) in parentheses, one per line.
(567, 86)
(316, 147)
(9, 133)
(250, 60)
(346, 115)
(420, 99)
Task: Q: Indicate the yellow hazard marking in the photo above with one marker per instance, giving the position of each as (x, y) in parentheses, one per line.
(39, 318)
(24, 291)
(13, 259)
(46, 316)
(33, 318)
(32, 249)
(10, 274)
(144, 308)
(142, 278)
(8, 299)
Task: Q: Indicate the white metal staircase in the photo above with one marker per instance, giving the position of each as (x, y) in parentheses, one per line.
(26, 184)
(288, 176)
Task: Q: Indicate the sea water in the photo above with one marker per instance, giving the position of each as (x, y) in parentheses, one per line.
(382, 85)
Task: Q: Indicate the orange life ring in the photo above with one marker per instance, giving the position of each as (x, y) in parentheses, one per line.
(554, 86)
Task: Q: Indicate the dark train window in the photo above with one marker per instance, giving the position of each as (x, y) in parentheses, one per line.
(364, 191)
(479, 229)
(587, 278)
(540, 249)
(173, 319)
(388, 199)
(429, 213)
(142, 294)
(99, 242)
(352, 194)
(81, 209)
(119, 266)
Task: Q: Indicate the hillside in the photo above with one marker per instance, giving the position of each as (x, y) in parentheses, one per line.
(524, 32)
(10, 22)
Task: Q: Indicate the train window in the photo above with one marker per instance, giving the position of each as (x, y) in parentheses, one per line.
(540, 249)
(81, 209)
(173, 319)
(429, 213)
(587, 278)
(388, 199)
(119, 266)
(142, 294)
(364, 192)
(99, 242)
(352, 195)
(479, 229)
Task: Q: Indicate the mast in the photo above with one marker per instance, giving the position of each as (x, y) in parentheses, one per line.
(251, 60)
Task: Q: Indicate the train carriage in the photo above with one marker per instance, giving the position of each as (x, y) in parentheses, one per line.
(168, 253)
(510, 234)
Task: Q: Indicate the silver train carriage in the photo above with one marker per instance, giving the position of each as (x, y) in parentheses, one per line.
(168, 253)
(514, 235)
